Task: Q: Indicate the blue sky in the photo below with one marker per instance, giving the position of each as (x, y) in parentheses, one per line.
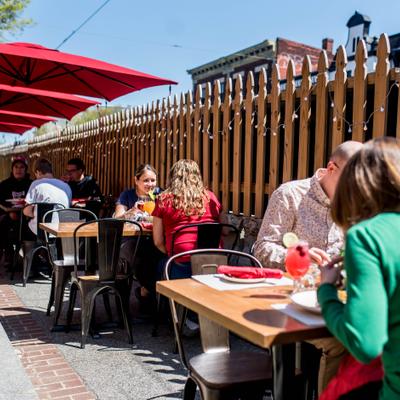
(166, 38)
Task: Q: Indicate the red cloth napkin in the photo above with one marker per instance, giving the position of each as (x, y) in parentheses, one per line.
(250, 272)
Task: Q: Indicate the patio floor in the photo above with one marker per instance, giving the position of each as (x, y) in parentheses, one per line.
(108, 368)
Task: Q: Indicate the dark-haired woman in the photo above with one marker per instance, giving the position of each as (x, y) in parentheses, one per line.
(367, 207)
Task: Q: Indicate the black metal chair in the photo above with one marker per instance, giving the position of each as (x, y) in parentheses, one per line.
(218, 372)
(209, 236)
(31, 248)
(92, 205)
(107, 278)
(62, 257)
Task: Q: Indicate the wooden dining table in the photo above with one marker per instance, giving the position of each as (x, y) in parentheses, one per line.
(66, 229)
(247, 312)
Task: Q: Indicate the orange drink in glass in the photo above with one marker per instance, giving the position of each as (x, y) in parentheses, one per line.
(149, 206)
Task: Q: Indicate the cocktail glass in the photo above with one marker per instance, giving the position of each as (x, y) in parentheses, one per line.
(297, 263)
(148, 206)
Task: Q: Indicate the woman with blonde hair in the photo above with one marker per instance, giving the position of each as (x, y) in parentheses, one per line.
(185, 201)
(367, 206)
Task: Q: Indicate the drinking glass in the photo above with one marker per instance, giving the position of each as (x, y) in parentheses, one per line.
(148, 206)
(140, 205)
(297, 263)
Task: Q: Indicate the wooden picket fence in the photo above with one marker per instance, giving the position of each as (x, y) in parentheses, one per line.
(246, 143)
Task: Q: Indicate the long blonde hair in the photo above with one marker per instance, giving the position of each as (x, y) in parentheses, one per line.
(185, 191)
(369, 184)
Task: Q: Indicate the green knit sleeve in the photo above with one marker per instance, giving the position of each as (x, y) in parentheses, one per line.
(361, 324)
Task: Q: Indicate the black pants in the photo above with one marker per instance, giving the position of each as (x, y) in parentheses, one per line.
(144, 267)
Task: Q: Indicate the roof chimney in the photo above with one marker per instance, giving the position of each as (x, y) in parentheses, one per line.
(327, 44)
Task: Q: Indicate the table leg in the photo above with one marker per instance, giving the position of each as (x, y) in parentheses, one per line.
(283, 358)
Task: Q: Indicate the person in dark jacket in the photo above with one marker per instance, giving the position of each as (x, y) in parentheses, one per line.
(11, 189)
(83, 186)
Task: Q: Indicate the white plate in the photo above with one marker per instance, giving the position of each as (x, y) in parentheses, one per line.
(307, 300)
(242, 280)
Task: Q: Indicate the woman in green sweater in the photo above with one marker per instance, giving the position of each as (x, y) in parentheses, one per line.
(367, 207)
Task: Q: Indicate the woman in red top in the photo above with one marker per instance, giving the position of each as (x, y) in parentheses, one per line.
(185, 201)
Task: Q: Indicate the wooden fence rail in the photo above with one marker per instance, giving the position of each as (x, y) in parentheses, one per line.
(246, 143)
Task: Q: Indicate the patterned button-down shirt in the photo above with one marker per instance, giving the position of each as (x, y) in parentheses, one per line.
(301, 207)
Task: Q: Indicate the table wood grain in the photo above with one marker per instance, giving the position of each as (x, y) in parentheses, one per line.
(247, 313)
(66, 229)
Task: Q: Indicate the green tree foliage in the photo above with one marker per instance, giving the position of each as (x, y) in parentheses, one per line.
(10, 17)
(94, 113)
(81, 118)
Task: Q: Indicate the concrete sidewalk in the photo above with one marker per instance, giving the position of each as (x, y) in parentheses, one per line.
(14, 382)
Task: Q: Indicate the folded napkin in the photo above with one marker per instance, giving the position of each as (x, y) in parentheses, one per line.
(249, 272)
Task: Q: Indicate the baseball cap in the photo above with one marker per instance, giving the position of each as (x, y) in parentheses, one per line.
(19, 159)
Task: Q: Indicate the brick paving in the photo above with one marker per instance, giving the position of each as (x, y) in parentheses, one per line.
(51, 375)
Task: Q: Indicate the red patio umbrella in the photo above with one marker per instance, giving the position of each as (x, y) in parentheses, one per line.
(14, 128)
(44, 102)
(35, 66)
(14, 117)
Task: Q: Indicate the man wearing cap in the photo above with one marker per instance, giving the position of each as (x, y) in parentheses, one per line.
(14, 187)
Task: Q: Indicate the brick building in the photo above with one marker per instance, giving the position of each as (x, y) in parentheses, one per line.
(280, 51)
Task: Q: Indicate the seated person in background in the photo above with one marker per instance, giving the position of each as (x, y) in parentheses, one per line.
(367, 207)
(14, 187)
(303, 207)
(185, 201)
(83, 186)
(145, 182)
(147, 257)
(45, 189)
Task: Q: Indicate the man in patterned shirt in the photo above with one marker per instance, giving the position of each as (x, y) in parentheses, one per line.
(303, 207)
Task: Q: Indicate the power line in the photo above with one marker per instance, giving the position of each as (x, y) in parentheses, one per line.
(82, 24)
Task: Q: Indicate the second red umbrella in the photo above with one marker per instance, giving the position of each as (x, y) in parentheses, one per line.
(14, 128)
(44, 102)
(14, 117)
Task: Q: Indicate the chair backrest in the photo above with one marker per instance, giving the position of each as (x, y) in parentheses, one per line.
(40, 210)
(206, 261)
(214, 338)
(67, 244)
(92, 205)
(110, 231)
(208, 234)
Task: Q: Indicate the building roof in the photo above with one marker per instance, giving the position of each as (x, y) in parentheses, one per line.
(261, 50)
(358, 19)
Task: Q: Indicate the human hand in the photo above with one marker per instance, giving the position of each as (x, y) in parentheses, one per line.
(319, 256)
(330, 272)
